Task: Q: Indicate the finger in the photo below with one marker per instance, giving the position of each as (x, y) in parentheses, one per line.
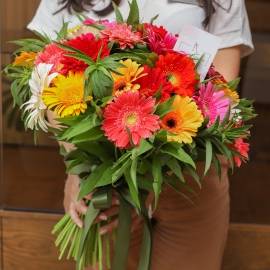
(104, 216)
(75, 216)
(115, 201)
(109, 227)
(110, 212)
(88, 197)
(81, 207)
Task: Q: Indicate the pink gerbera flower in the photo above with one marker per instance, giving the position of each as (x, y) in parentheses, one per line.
(159, 39)
(242, 148)
(52, 54)
(212, 103)
(130, 116)
(122, 34)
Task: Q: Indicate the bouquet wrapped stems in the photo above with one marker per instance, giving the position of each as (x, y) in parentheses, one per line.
(88, 247)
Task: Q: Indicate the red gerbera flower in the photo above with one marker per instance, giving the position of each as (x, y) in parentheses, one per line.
(51, 54)
(130, 116)
(155, 81)
(159, 39)
(242, 148)
(88, 44)
(180, 71)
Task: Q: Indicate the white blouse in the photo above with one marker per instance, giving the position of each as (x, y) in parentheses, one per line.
(230, 22)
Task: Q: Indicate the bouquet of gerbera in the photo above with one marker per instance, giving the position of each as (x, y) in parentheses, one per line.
(139, 118)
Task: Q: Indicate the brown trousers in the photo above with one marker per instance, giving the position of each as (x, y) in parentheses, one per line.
(189, 236)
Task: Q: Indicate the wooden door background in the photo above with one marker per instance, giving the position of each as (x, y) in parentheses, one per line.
(31, 192)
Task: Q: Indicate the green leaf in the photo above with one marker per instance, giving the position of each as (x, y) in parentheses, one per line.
(179, 153)
(93, 134)
(144, 147)
(90, 217)
(164, 107)
(84, 125)
(133, 172)
(124, 169)
(134, 16)
(157, 175)
(106, 178)
(173, 164)
(234, 83)
(118, 14)
(80, 168)
(63, 31)
(208, 155)
(217, 165)
(122, 159)
(88, 185)
(95, 148)
(154, 18)
(133, 189)
(194, 175)
(101, 84)
(75, 53)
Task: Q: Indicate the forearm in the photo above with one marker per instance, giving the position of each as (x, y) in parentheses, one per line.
(227, 62)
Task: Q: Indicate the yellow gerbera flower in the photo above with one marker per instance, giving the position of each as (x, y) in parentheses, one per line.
(25, 59)
(233, 95)
(183, 121)
(131, 71)
(66, 96)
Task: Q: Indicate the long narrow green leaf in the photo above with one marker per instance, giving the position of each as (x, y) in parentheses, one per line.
(173, 164)
(90, 183)
(179, 153)
(134, 16)
(208, 155)
(118, 14)
(158, 178)
(133, 189)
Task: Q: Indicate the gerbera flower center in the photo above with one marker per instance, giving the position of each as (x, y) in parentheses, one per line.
(174, 80)
(71, 95)
(171, 123)
(131, 119)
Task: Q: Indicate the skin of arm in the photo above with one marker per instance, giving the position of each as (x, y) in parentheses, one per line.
(227, 62)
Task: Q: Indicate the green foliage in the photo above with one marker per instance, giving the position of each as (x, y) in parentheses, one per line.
(62, 34)
(233, 85)
(134, 16)
(20, 89)
(165, 107)
(118, 15)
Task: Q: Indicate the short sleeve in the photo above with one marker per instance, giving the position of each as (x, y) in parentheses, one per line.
(44, 20)
(230, 22)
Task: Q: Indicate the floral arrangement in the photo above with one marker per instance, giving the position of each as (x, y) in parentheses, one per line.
(139, 118)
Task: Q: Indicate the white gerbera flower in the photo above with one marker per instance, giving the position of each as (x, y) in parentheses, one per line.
(35, 106)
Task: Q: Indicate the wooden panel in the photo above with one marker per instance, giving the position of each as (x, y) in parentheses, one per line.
(250, 185)
(259, 11)
(28, 243)
(1, 244)
(33, 177)
(15, 15)
(248, 248)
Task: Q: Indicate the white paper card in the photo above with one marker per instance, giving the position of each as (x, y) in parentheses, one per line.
(199, 43)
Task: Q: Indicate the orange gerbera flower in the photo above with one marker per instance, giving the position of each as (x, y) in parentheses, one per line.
(130, 72)
(180, 71)
(25, 59)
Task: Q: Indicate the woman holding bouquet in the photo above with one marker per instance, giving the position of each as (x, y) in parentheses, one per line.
(188, 236)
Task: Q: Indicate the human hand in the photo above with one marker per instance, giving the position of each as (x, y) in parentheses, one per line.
(77, 208)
